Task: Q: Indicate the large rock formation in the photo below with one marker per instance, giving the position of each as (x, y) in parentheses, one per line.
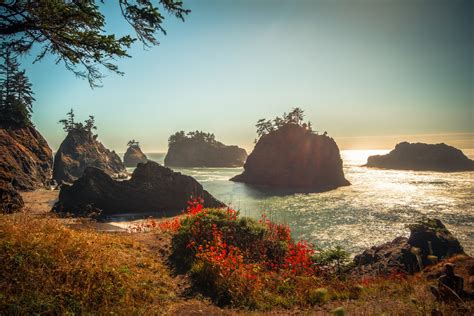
(429, 242)
(10, 199)
(423, 157)
(151, 188)
(202, 150)
(133, 156)
(80, 150)
(25, 158)
(294, 157)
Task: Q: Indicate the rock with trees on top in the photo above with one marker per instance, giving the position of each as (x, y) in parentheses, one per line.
(25, 157)
(134, 155)
(289, 154)
(81, 149)
(200, 149)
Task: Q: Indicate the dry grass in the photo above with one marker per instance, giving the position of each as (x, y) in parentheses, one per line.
(46, 267)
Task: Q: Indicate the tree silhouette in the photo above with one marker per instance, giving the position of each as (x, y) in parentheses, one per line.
(133, 143)
(73, 31)
(16, 94)
(195, 136)
(264, 127)
(70, 125)
(295, 117)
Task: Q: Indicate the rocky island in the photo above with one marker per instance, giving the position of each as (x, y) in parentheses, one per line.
(288, 154)
(423, 157)
(199, 149)
(134, 155)
(81, 149)
(151, 188)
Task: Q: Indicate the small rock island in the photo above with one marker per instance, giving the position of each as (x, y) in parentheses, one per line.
(151, 188)
(423, 157)
(81, 149)
(134, 155)
(288, 154)
(199, 149)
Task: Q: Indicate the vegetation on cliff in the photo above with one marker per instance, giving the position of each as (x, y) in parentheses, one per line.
(200, 149)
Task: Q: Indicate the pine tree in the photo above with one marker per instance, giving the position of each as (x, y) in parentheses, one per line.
(16, 94)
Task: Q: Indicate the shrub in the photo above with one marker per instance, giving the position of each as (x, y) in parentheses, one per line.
(241, 261)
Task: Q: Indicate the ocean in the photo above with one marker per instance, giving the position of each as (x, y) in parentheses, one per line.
(375, 209)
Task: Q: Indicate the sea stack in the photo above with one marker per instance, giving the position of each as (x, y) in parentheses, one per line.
(423, 157)
(290, 155)
(152, 188)
(199, 149)
(134, 155)
(81, 149)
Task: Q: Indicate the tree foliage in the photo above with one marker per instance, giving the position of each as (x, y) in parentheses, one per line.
(74, 30)
(198, 136)
(295, 117)
(133, 143)
(16, 94)
(70, 125)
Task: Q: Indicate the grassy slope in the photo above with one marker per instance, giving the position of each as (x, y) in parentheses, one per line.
(48, 267)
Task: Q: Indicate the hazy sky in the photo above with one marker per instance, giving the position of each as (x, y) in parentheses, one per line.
(371, 73)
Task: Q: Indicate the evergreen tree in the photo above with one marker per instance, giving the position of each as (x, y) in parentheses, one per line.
(73, 31)
(16, 94)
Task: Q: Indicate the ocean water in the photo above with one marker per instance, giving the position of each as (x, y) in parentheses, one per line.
(376, 208)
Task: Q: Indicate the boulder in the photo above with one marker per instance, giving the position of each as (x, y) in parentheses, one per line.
(10, 199)
(195, 152)
(152, 188)
(429, 242)
(133, 156)
(25, 158)
(423, 157)
(79, 150)
(294, 157)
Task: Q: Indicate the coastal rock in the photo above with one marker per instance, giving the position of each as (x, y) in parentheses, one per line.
(197, 150)
(294, 157)
(25, 158)
(79, 150)
(151, 188)
(423, 157)
(133, 156)
(428, 239)
(10, 199)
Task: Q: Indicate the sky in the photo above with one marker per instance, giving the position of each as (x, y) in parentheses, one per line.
(370, 73)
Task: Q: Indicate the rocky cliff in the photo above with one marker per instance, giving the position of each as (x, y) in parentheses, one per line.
(10, 199)
(429, 242)
(423, 157)
(25, 158)
(194, 152)
(151, 188)
(79, 150)
(133, 156)
(293, 157)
